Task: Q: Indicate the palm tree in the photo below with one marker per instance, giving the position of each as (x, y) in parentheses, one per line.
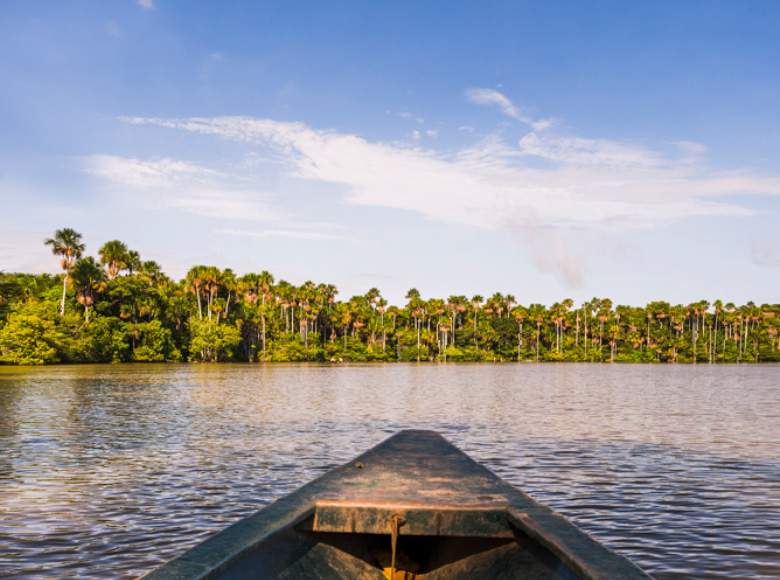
(476, 301)
(230, 282)
(372, 296)
(265, 280)
(67, 244)
(133, 262)
(114, 256)
(195, 280)
(213, 278)
(88, 278)
(519, 313)
(381, 304)
(153, 271)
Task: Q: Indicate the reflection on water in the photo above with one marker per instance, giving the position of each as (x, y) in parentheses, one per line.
(107, 471)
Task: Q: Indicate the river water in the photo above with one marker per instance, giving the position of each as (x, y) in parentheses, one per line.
(108, 471)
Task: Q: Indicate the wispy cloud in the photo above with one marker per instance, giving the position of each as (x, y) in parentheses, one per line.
(112, 29)
(148, 4)
(691, 147)
(185, 186)
(409, 116)
(137, 173)
(287, 234)
(765, 251)
(587, 184)
(23, 251)
(224, 204)
(503, 104)
(588, 152)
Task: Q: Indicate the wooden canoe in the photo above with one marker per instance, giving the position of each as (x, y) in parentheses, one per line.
(453, 519)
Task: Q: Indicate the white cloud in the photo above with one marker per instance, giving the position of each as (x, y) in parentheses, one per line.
(287, 234)
(149, 4)
(491, 97)
(409, 116)
(690, 147)
(145, 174)
(465, 128)
(431, 133)
(593, 152)
(184, 186)
(765, 251)
(416, 135)
(694, 152)
(221, 204)
(593, 184)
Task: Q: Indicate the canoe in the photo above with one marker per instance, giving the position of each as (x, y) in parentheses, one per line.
(412, 508)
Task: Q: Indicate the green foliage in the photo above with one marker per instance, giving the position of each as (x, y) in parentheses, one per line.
(127, 309)
(156, 343)
(211, 341)
(28, 337)
(107, 339)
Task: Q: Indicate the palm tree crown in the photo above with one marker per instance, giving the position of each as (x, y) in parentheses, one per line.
(67, 244)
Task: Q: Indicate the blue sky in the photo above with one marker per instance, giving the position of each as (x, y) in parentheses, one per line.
(544, 149)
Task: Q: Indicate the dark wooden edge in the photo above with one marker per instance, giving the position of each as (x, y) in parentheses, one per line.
(586, 556)
(203, 562)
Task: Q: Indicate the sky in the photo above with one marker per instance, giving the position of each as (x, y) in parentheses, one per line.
(548, 150)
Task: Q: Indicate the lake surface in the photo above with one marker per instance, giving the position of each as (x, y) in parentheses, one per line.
(108, 471)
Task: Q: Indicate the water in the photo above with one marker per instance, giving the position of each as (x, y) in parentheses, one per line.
(108, 471)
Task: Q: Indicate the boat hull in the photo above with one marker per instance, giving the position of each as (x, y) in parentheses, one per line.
(460, 521)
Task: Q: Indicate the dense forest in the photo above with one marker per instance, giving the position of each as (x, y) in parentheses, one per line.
(120, 308)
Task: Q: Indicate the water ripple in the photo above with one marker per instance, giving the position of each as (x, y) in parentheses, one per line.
(108, 471)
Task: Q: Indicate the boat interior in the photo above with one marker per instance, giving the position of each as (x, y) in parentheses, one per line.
(357, 542)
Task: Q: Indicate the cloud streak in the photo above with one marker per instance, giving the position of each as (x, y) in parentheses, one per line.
(592, 183)
(582, 184)
(503, 104)
(765, 251)
(287, 234)
(185, 186)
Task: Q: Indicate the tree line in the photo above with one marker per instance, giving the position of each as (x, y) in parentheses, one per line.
(119, 308)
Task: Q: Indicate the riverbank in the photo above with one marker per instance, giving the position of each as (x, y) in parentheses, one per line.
(215, 316)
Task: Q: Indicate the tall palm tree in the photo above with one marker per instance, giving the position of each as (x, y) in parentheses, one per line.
(133, 262)
(372, 296)
(195, 281)
(519, 313)
(66, 243)
(152, 270)
(266, 281)
(88, 278)
(113, 255)
(381, 304)
(213, 279)
(476, 302)
(230, 283)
